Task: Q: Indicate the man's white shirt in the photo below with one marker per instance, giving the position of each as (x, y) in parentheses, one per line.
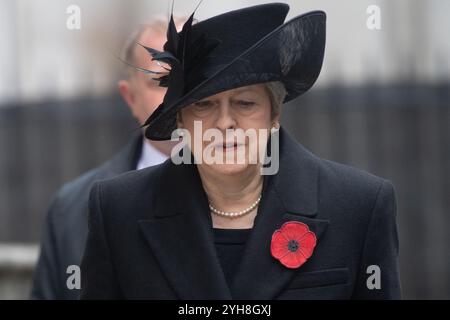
(150, 156)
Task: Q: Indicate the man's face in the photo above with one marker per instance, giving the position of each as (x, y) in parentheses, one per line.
(142, 94)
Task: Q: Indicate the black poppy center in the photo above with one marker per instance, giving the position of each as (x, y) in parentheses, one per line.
(293, 245)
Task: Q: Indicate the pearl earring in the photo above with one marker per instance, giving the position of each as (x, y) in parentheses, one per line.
(180, 133)
(275, 128)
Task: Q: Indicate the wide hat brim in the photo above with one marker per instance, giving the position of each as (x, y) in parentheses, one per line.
(292, 54)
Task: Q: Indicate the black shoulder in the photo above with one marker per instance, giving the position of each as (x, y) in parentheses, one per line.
(129, 194)
(135, 179)
(72, 194)
(346, 174)
(350, 187)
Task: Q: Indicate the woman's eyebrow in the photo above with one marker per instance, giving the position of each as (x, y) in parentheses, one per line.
(206, 100)
(244, 90)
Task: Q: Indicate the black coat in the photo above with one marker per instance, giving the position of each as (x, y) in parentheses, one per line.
(65, 229)
(150, 235)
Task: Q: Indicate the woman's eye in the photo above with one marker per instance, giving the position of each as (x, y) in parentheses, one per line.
(245, 103)
(202, 104)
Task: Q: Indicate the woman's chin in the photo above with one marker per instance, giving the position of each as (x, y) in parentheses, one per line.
(229, 169)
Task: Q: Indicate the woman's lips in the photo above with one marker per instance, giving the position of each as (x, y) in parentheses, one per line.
(228, 146)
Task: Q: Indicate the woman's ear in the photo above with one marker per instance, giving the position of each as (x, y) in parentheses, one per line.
(276, 115)
(276, 121)
(179, 120)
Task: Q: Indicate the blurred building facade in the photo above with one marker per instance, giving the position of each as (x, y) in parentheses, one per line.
(41, 58)
(382, 103)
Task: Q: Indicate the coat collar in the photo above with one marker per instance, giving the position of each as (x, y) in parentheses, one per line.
(126, 159)
(180, 234)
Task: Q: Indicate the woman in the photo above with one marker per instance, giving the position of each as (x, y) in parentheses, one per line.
(309, 229)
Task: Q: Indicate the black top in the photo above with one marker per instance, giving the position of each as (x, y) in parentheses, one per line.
(230, 244)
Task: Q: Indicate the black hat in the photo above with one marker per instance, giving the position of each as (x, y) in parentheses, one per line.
(238, 48)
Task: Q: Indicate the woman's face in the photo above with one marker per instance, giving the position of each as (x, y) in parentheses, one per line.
(230, 113)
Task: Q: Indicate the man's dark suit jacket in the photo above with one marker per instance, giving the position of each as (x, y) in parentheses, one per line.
(150, 235)
(65, 229)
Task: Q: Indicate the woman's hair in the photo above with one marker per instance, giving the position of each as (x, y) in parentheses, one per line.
(277, 93)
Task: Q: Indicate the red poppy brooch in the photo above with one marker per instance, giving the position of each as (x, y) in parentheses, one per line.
(293, 244)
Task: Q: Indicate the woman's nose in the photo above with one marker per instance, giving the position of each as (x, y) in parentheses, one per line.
(225, 118)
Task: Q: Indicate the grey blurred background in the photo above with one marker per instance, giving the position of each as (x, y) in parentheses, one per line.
(382, 104)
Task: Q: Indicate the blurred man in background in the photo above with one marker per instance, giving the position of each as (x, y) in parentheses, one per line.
(65, 229)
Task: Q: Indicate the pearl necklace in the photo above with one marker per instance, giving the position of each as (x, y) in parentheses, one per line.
(235, 214)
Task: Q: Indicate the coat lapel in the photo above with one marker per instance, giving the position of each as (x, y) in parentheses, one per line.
(181, 239)
(291, 195)
(126, 159)
(180, 236)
